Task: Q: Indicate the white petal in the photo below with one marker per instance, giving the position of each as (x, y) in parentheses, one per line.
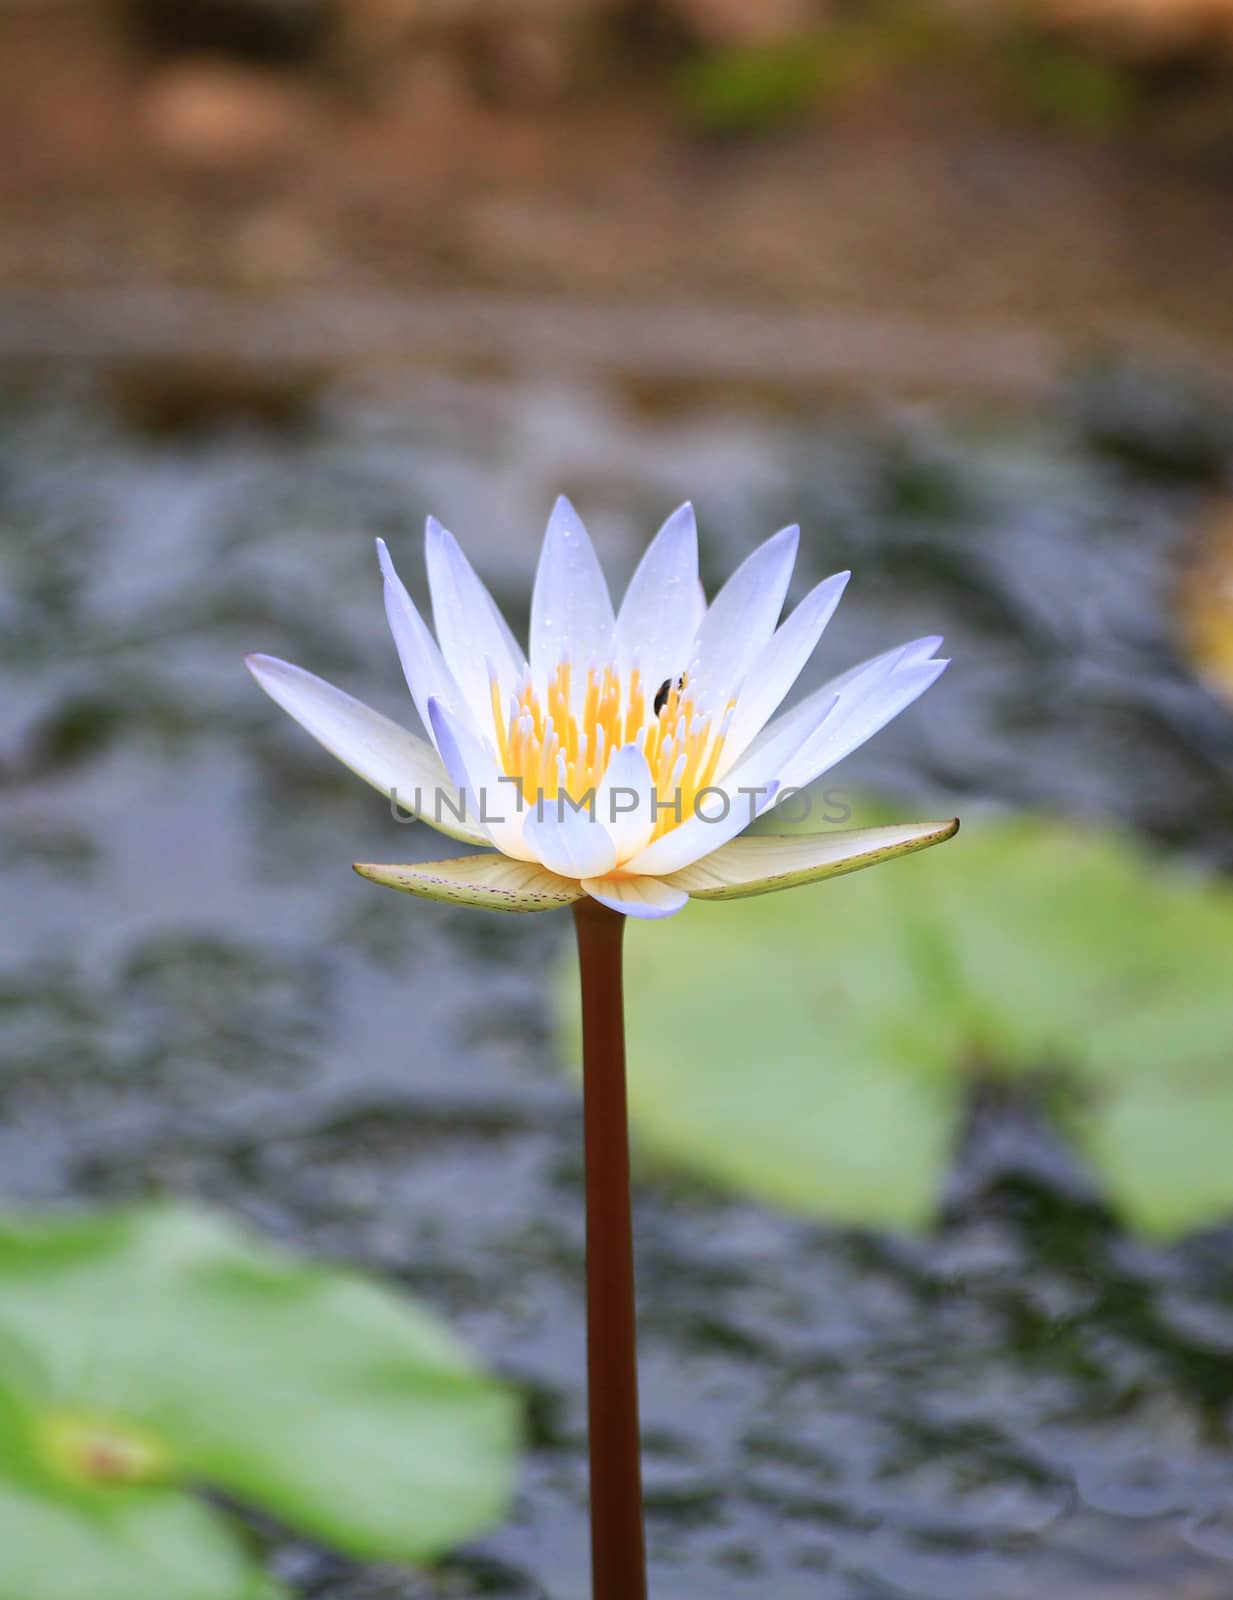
(571, 613)
(423, 665)
(791, 729)
(769, 758)
(699, 835)
(569, 842)
(741, 619)
(647, 898)
(490, 804)
(843, 731)
(762, 863)
(812, 737)
(663, 605)
(379, 751)
(910, 654)
(779, 664)
(921, 649)
(494, 882)
(624, 800)
(471, 630)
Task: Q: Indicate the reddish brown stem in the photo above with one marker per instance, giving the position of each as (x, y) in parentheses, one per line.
(618, 1557)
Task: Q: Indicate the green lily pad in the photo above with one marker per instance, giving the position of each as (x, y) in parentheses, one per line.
(817, 1048)
(152, 1350)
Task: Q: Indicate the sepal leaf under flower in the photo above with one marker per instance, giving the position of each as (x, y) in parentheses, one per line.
(762, 863)
(492, 881)
(754, 864)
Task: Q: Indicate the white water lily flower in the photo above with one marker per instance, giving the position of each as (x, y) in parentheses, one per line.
(623, 758)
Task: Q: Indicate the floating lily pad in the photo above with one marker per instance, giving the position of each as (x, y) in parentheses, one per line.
(154, 1350)
(817, 1048)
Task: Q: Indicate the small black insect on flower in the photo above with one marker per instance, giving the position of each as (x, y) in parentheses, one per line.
(664, 690)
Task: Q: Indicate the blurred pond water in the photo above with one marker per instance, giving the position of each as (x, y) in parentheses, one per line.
(198, 997)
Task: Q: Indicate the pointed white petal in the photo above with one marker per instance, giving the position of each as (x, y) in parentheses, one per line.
(448, 745)
(471, 630)
(394, 761)
(760, 864)
(623, 801)
(490, 804)
(779, 664)
(492, 881)
(571, 613)
(787, 732)
(664, 604)
(699, 835)
(741, 619)
(770, 759)
(790, 730)
(571, 843)
(844, 731)
(903, 655)
(423, 665)
(921, 649)
(646, 898)
(802, 749)
(807, 741)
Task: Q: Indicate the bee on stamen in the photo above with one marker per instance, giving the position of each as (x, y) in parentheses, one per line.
(664, 690)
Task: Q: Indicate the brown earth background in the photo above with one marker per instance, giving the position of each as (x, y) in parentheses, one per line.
(1001, 185)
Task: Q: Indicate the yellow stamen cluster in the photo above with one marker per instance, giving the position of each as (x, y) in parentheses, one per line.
(561, 745)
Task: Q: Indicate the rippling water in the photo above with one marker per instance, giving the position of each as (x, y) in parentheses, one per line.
(197, 996)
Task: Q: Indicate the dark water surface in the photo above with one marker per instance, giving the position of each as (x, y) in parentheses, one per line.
(198, 997)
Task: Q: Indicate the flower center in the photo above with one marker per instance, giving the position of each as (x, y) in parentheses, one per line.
(561, 744)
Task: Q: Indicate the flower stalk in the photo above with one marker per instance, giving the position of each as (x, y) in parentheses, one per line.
(618, 1559)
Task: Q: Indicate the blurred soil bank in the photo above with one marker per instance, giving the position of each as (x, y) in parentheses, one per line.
(1068, 165)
